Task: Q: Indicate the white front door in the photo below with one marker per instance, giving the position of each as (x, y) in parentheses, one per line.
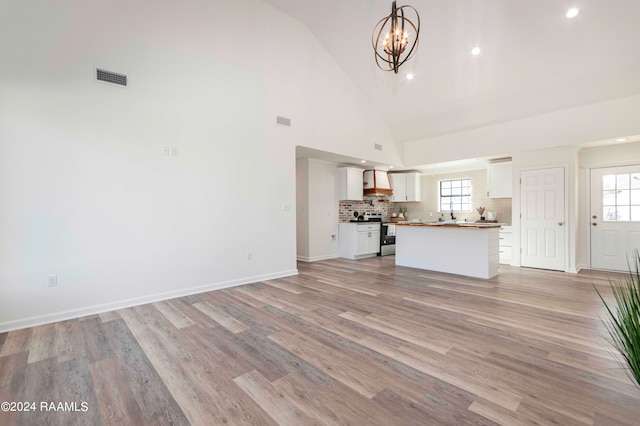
(615, 216)
(542, 225)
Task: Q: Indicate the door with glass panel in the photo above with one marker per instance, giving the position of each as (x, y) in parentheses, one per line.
(615, 216)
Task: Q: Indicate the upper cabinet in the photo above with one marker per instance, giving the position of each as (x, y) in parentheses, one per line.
(406, 187)
(499, 180)
(399, 186)
(350, 183)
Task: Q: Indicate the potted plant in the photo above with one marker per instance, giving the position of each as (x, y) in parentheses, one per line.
(623, 319)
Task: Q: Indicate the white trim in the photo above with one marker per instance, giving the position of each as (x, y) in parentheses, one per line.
(609, 164)
(136, 301)
(317, 258)
(587, 224)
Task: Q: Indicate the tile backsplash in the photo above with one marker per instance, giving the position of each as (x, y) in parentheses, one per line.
(428, 210)
(346, 209)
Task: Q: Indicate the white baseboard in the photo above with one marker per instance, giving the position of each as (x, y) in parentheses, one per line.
(317, 258)
(136, 301)
(580, 267)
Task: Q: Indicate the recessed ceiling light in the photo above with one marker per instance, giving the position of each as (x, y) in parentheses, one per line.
(572, 13)
(475, 51)
(621, 140)
(363, 161)
(391, 167)
(409, 76)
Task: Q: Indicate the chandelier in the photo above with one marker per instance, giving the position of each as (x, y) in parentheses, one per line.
(392, 44)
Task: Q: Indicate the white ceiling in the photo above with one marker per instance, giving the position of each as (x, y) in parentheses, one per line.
(534, 60)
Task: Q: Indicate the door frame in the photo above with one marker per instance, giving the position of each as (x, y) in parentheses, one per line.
(517, 214)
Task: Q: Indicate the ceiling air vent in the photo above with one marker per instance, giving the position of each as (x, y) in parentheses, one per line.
(111, 77)
(283, 121)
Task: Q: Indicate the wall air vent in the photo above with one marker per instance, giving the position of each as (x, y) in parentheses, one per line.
(283, 121)
(378, 147)
(111, 77)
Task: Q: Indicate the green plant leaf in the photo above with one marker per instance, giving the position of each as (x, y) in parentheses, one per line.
(623, 318)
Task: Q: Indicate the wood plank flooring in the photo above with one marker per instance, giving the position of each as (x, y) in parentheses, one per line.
(343, 343)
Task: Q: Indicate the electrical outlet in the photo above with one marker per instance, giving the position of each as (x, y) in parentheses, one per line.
(174, 151)
(333, 237)
(52, 281)
(249, 255)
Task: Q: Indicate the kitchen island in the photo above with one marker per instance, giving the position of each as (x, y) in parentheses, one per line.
(465, 249)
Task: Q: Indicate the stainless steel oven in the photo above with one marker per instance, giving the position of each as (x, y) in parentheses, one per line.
(387, 239)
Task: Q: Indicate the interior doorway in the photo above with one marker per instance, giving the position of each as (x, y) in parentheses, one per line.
(542, 225)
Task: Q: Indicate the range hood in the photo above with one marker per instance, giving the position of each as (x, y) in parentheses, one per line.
(376, 183)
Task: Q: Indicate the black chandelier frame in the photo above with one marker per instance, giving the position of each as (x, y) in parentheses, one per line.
(391, 60)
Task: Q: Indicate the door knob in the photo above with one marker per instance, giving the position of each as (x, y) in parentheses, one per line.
(560, 223)
(594, 216)
(594, 224)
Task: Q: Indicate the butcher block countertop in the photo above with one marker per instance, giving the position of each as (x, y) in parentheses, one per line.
(470, 225)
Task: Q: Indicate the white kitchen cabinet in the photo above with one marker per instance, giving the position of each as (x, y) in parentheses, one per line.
(350, 184)
(359, 240)
(499, 180)
(506, 244)
(406, 187)
(399, 186)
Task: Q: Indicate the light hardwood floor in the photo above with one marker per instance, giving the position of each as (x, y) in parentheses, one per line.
(345, 342)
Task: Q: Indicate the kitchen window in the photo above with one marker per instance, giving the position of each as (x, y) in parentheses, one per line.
(455, 195)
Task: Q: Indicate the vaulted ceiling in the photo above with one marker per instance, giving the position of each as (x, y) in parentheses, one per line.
(534, 59)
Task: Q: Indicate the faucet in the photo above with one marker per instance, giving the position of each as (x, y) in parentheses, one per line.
(451, 208)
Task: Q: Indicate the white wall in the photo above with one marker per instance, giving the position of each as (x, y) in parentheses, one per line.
(86, 193)
(606, 120)
(320, 213)
(323, 210)
(302, 209)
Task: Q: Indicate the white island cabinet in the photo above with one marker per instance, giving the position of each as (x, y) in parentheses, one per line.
(463, 250)
(506, 244)
(359, 240)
